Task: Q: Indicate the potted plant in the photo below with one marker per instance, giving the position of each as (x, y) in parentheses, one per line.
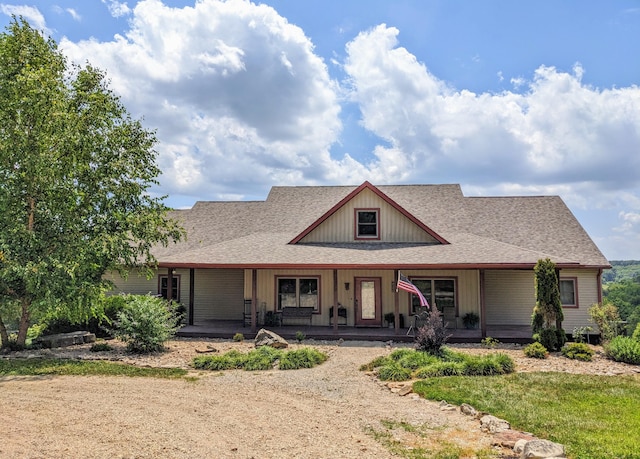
(390, 317)
(470, 320)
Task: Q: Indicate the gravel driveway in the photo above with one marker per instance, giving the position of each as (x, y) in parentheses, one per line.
(324, 412)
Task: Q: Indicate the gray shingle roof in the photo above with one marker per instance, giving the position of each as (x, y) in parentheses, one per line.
(486, 231)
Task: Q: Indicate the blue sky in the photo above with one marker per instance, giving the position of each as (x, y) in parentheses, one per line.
(502, 97)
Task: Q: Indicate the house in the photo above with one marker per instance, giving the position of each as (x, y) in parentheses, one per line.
(315, 247)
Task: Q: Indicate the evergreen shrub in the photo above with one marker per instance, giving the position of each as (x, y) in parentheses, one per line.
(577, 351)
(623, 349)
(536, 351)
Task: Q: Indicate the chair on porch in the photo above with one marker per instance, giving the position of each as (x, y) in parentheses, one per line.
(247, 313)
(418, 319)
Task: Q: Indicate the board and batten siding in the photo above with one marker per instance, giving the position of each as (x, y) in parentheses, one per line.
(394, 227)
(218, 295)
(509, 297)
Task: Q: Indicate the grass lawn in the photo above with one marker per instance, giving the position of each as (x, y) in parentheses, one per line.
(42, 367)
(595, 417)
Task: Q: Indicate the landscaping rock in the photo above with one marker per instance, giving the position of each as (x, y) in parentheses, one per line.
(266, 337)
(541, 449)
(67, 339)
(493, 424)
(467, 409)
(513, 439)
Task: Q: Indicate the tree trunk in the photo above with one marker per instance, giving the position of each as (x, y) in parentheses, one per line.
(4, 336)
(24, 324)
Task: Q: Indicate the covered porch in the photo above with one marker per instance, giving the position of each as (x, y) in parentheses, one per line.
(226, 329)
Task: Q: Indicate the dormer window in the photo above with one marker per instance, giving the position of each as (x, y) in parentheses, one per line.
(367, 224)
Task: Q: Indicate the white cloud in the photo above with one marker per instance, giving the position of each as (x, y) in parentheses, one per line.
(559, 132)
(30, 13)
(235, 91)
(117, 9)
(74, 14)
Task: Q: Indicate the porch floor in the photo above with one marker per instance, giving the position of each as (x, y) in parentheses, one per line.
(227, 328)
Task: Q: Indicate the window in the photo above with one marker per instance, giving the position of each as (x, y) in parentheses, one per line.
(568, 289)
(441, 292)
(296, 292)
(163, 281)
(367, 226)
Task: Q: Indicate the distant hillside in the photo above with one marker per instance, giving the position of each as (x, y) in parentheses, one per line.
(622, 269)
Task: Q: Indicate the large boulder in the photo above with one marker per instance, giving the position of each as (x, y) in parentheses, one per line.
(67, 339)
(266, 337)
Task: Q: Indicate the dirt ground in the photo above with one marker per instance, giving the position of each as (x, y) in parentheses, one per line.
(324, 412)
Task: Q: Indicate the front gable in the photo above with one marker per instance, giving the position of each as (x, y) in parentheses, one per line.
(367, 215)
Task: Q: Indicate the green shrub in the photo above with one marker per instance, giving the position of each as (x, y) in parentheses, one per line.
(394, 372)
(301, 358)
(623, 349)
(489, 342)
(403, 364)
(441, 368)
(238, 337)
(262, 358)
(300, 337)
(636, 333)
(101, 347)
(607, 318)
(577, 351)
(548, 337)
(536, 351)
(416, 359)
(145, 324)
(504, 362)
(375, 363)
(228, 361)
(580, 334)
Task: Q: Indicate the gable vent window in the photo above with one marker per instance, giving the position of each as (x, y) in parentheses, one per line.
(367, 224)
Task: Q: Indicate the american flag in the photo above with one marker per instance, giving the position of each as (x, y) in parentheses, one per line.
(405, 284)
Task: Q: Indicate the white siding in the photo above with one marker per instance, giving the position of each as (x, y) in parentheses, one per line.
(509, 297)
(218, 294)
(587, 291)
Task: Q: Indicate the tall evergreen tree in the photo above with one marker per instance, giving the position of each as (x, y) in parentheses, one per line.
(546, 321)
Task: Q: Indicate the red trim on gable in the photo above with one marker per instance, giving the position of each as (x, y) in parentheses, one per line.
(380, 194)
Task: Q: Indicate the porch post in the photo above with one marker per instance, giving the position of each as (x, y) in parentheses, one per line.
(396, 305)
(169, 284)
(192, 288)
(483, 307)
(254, 299)
(335, 300)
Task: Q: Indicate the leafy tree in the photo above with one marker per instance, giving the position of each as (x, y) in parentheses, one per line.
(626, 296)
(75, 173)
(547, 314)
